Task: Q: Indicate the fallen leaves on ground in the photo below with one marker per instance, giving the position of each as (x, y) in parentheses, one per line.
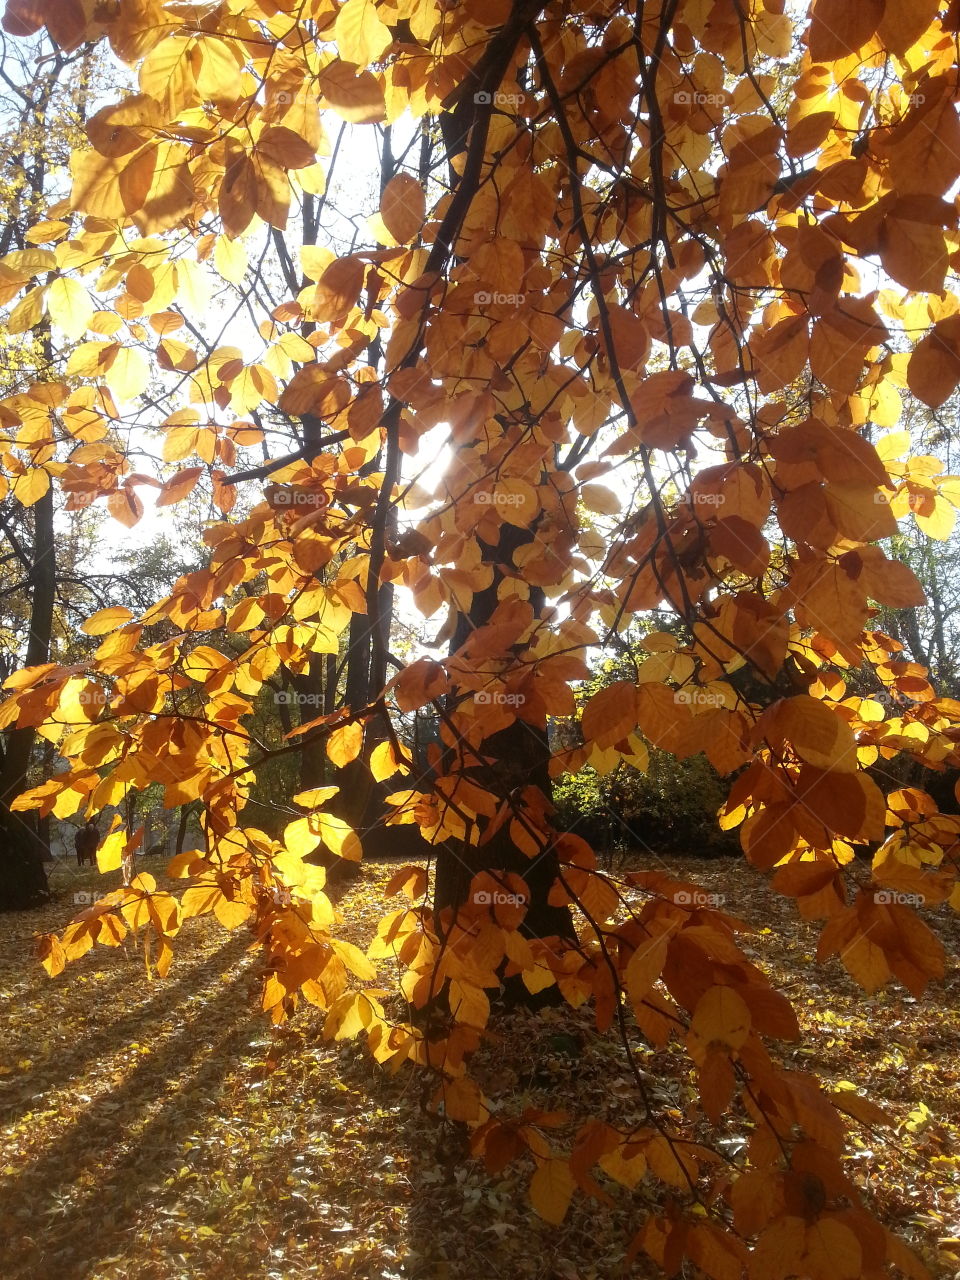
(164, 1129)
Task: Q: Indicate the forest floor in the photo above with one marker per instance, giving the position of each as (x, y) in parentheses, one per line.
(159, 1130)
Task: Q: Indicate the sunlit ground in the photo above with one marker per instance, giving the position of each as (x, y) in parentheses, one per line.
(164, 1129)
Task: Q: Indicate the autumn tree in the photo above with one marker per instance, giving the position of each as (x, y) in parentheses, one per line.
(45, 89)
(629, 327)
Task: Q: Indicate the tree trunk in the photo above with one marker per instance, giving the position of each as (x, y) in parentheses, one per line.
(23, 879)
(182, 829)
(520, 756)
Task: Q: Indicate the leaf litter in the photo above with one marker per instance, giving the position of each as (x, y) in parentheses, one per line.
(163, 1129)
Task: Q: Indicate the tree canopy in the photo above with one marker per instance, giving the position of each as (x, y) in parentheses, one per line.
(536, 321)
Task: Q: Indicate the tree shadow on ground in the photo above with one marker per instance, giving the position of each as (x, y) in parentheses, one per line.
(218, 1146)
(123, 1008)
(79, 1196)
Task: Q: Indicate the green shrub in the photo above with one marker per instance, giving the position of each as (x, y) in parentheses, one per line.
(672, 807)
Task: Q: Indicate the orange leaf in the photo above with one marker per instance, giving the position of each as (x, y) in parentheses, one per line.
(551, 1189)
(357, 98)
(721, 1015)
(818, 735)
(611, 714)
(179, 486)
(839, 27)
(420, 683)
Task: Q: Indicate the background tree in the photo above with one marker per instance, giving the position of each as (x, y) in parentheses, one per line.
(47, 89)
(634, 281)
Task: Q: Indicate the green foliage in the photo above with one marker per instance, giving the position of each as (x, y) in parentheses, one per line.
(671, 807)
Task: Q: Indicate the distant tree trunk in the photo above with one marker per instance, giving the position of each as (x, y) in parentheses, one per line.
(23, 879)
(911, 634)
(182, 829)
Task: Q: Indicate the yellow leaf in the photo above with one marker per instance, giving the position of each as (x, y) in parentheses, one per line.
(644, 967)
(934, 369)
(462, 1100)
(110, 853)
(51, 954)
(597, 497)
(230, 260)
(164, 171)
(125, 506)
(419, 684)
(304, 834)
(344, 744)
(31, 486)
(348, 1016)
(111, 187)
(312, 799)
(839, 28)
(27, 312)
(403, 207)
(469, 1004)
(412, 881)
(104, 620)
(937, 523)
(354, 959)
(179, 486)
(230, 914)
(128, 373)
(611, 714)
(199, 899)
(70, 306)
(30, 262)
(168, 74)
(286, 148)
(47, 231)
(360, 34)
(218, 73)
(819, 736)
(384, 761)
(338, 836)
(831, 1252)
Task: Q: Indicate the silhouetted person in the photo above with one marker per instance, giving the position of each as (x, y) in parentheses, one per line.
(85, 842)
